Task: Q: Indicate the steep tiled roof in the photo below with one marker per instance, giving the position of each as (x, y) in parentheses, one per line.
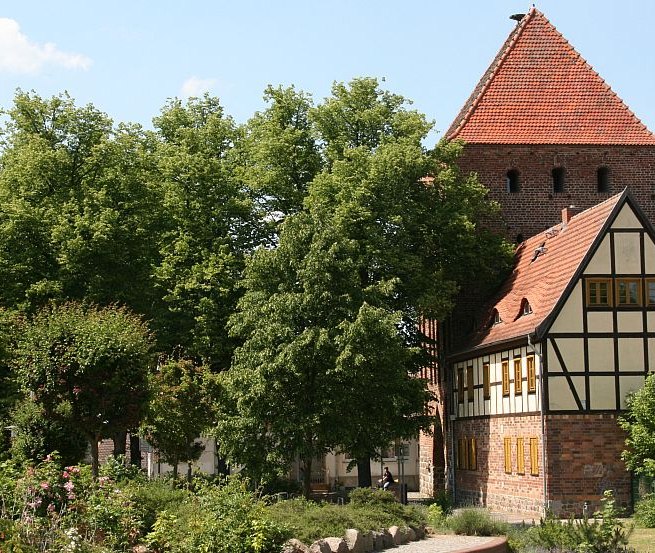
(539, 90)
(541, 279)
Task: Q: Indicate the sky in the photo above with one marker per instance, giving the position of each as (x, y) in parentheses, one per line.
(129, 57)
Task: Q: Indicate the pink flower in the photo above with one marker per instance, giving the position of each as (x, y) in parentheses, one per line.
(69, 486)
(65, 474)
(103, 480)
(45, 486)
(70, 496)
(51, 508)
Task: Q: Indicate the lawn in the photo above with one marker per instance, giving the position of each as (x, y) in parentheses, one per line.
(643, 540)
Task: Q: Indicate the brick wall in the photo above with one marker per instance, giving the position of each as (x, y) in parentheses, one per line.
(432, 448)
(584, 459)
(490, 485)
(535, 207)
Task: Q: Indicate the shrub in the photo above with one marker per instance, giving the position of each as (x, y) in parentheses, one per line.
(154, 497)
(476, 522)
(436, 516)
(369, 496)
(645, 511)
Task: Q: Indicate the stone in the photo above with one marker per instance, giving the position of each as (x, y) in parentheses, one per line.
(395, 534)
(294, 546)
(367, 542)
(387, 539)
(354, 540)
(320, 546)
(419, 531)
(411, 535)
(378, 541)
(337, 545)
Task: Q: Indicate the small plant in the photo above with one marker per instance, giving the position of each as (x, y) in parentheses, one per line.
(476, 522)
(369, 496)
(645, 511)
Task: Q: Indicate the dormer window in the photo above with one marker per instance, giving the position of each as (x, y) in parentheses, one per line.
(512, 181)
(525, 308)
(495, 318)
(558, 179)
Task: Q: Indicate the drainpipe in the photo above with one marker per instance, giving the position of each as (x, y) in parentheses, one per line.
(542, 409)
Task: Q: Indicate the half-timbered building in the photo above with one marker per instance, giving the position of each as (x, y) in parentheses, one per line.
(538, 387)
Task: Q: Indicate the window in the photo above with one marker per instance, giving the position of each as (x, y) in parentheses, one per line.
(650, 291)
(520, 456)
(599, 292)
(495, 318)
(534, 457)
(532, 374)
(512, 181)
(603, 179)
(466, 454)
(507, 444)
(525, 308)
(558, 179)
(469, 383)
(460, 385)
(505, 369)
(518, 377)
(628, 291)
(486, 385)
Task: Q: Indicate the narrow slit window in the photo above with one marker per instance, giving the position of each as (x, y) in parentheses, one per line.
(469, 383)
(460, 385)
(603, 179)
(512, 181)
(486, 384)
(559, 175)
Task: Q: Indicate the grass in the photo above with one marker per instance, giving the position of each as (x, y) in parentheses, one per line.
(643, 540)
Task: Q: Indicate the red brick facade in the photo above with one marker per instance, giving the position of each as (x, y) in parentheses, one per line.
(535, 206)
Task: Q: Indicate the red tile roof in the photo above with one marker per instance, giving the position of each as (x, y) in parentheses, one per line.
(539, 90)
(541, 279)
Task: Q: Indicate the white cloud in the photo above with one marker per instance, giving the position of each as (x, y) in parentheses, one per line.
(20, 55)
(195, 86)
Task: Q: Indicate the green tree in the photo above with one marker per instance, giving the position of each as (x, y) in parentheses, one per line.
(639, 425)
(178, 413)
(212, 227)
(80, 216)
(87, 366)
(377, 246)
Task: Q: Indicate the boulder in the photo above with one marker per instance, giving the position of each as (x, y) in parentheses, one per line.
(378, 541)
(387, 539)
(320, 546)
(419, 531)
(337, 545)
(294, 546)
(396, 535)
(367, 541)
(354, 540)
(411, 535)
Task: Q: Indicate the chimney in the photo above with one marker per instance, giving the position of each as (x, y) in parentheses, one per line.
(569, 212)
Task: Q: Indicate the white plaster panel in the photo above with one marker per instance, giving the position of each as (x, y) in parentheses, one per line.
(569, 318)
(560, 396)
(631, 354)
(572, 350)
(626, 252)
(626, 218)
(629, 321)
(649, 254)
(599, 321)
(650, 321)
(600, 262)
(601, 354)
(651, 354)
(602, 392)
(629, 384)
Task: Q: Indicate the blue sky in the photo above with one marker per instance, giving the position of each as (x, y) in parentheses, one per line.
(127, 58)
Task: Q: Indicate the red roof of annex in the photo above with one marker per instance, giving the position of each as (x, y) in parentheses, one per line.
(539, 90)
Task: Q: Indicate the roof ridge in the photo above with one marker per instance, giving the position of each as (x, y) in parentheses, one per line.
(498, 60)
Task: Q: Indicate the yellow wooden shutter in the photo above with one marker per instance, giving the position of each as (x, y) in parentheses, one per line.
(520, 456)
(469, 383)
(486, 385)
(505, 370)
(508, 454)
(518, 377)
(532, 374)
(473, 461)
(534, 456)
(460, 385)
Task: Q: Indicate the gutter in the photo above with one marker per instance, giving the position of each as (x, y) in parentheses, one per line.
(542, 409)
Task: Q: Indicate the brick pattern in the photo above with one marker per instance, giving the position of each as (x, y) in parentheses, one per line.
(535, 207)
(489, 485)
(584, 459)
(432, 448)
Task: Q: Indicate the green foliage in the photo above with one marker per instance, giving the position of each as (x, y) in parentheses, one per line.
(220, 519)
(370, 496)
(310, 521)
(117, 469)
(476, 522)
(645, 511)
(87, 366)
(179, 411)
(35, 436)
(154, 497)
(639, 424)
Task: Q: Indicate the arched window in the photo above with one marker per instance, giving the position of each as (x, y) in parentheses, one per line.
(512, 181)
(559, 174)
(495, 318)
(525, 308)
(603, 179)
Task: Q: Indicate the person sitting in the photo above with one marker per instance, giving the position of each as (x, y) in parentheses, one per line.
(387, 479)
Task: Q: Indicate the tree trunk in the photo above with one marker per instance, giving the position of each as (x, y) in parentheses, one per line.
(188, 472)
(175, 472)
(119, 443)
(307, 477)
(364, 472)
(135, 451)
(95, 464)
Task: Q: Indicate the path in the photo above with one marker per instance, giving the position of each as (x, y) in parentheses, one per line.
(445, 544)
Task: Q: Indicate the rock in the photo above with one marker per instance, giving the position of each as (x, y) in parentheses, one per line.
(294, 546)
(420, 532)
(367, 541)
(403, 533)
(337, 545)
(387, 539)
(394, 531)
(320, 546)
(378, 541)
(411, 535)
(354, 540)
